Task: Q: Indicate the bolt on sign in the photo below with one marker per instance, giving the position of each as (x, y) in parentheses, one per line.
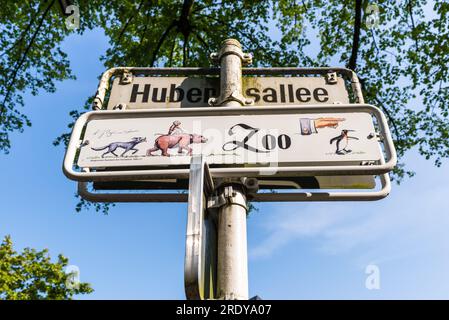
(187, 92)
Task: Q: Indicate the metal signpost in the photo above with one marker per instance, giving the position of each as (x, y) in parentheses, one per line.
(225, 135)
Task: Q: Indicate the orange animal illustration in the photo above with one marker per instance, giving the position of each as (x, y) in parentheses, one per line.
(180, 141)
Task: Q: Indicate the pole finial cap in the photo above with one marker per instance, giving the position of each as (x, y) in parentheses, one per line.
(233, 42)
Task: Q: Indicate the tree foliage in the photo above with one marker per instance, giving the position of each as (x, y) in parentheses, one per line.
(30, 59)
(31, 275)
(402, 59)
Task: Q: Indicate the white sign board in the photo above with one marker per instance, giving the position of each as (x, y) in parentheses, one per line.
(182, 92)
(232, 140)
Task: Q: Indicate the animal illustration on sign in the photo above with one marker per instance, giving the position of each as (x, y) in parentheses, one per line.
(128, 146)
(309, 126)
(343, 138)
(175, 138)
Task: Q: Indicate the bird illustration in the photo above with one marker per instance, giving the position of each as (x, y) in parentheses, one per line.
(344, 136)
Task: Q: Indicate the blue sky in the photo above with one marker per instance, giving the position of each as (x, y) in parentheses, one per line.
(296, 250)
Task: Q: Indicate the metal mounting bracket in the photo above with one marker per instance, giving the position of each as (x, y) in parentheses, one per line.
(127, 77)
(120, 106)
(331, 78)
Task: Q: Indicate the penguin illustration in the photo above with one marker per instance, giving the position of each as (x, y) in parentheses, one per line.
(345, 138)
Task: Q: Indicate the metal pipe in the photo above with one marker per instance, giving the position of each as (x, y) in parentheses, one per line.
(231, 58)
(232, 257)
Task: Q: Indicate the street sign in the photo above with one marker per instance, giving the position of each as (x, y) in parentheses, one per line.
(264, 141)
(286, 139)
(160, 132)
(188, 92)
(140, 87)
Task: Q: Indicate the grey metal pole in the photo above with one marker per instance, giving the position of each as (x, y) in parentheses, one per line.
(231, 57)
(232, 257)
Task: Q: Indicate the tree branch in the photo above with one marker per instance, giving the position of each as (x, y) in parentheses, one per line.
(375, 42)
(170, 62)
(389, 116)
(356, 35)
(185, 11)
(23, 58)
(145, 27)
(234, 29)
(183, 26)
(129, 20)
(200, 39)
(184, 51)
(161, 41)
(410, 12)
(24, 33)
(183, 22)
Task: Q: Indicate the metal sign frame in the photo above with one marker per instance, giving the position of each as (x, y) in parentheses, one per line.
(375, 169)
(127, 72)
(304, 196)
(265, 183)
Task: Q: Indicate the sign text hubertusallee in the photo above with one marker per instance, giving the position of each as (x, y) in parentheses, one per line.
(176, 92)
